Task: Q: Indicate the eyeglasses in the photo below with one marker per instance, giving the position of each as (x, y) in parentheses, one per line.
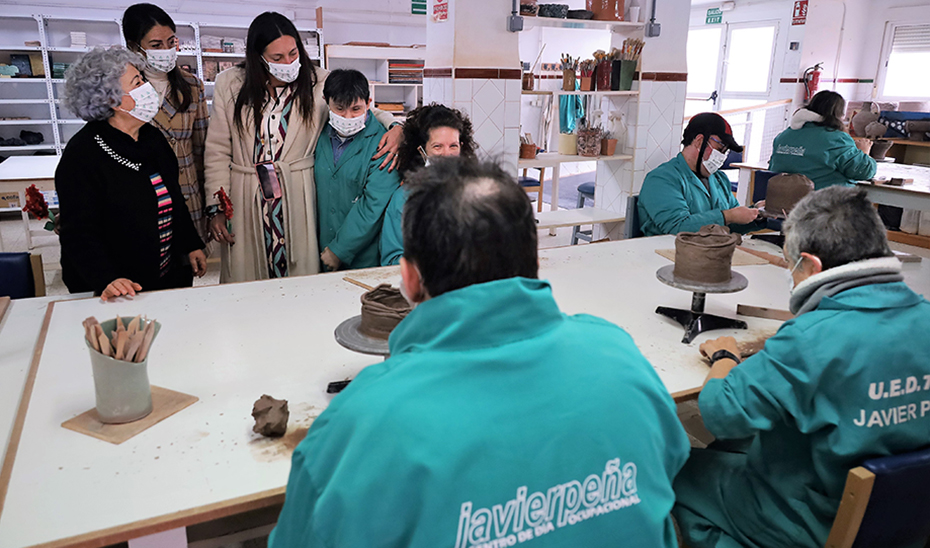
(724, 148)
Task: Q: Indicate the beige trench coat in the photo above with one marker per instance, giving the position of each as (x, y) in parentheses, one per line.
(228, 164)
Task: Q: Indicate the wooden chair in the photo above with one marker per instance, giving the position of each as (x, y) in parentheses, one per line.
(534, 185)
(886, 504)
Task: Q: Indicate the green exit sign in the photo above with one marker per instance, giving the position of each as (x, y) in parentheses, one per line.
(714, 16)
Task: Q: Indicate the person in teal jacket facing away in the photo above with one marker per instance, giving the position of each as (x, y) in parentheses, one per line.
(847, 380)
(816, 144)
(351, 191)
(688, 191)
(430, 131)
(489, 424)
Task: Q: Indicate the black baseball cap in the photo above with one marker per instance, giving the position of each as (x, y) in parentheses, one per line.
(711, 123)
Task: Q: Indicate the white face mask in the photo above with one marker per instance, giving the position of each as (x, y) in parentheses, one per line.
(791, 275)
(147, 102)
(347, 127)
(162, 60)
(287, 73)
(716, 159)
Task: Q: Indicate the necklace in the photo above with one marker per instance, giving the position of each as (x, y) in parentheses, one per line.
(119, 159)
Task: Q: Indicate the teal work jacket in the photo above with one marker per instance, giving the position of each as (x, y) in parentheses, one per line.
(392, 232)
(845, 382)
(827, 156)
(489, 424)
(351, 196)
(674, 200)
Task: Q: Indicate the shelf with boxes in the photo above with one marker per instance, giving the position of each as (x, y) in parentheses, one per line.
(394, 73)
(32, 74)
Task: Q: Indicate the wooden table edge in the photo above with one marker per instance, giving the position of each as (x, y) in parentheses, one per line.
(6, 471)
(167, 522)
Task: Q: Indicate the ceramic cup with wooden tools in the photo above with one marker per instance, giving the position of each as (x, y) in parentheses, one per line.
(122, 385)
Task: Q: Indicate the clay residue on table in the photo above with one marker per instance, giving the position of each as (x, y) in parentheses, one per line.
(276, 449)
(753, 342)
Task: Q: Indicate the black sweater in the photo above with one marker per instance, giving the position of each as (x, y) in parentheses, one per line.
(109, 211)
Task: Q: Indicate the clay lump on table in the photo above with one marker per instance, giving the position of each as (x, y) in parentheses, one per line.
(705, 256)
(270, 416)
(382, 309)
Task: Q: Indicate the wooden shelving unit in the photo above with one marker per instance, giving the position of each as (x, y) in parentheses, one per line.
(374, 62)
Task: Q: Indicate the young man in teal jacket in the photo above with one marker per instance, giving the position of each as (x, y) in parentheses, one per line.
(351, 191)
(488, 425)
(845, 381)
(688, 191)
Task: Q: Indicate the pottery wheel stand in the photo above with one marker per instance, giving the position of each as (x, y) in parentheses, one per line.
(348, 335)
(695, 321)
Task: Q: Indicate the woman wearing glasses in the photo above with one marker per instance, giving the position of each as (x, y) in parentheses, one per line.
(688, 191)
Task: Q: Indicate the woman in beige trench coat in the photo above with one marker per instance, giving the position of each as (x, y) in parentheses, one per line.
(274, 53)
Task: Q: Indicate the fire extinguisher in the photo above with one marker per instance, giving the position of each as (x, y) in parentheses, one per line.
(811, 81)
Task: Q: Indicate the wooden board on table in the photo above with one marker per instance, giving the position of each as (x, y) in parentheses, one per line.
(763, 312)
(164, 404)
(4, 304)
(740, 257)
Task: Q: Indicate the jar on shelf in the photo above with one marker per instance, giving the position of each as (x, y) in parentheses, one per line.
(589, 142)
(568, 80)
(602, 75)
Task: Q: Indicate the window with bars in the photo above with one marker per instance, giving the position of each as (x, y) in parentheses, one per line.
(906, 74)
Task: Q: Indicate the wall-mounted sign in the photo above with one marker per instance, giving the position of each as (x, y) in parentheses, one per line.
(418, 7)
(799, 15)
(440, 10)
(715, 16)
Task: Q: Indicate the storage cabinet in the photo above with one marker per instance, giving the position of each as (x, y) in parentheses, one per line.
(395, 74)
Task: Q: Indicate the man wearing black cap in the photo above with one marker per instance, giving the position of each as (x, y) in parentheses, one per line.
(687, 192)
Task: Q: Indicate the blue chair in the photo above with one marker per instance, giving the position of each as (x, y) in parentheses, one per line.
(631, 228)
(759, 186)
(733, 157)
(885, 504)
(585, 191)
(530, 184)
(21, 275)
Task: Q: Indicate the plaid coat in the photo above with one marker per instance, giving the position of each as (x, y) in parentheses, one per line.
(186, 132)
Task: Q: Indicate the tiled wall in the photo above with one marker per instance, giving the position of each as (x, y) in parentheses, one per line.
(493, 107)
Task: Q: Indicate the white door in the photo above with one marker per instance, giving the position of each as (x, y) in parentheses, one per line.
(729, 65)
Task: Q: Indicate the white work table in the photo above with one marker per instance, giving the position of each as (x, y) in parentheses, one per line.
(915, 195)
(18, 172)
(230, 344)
(19, 330)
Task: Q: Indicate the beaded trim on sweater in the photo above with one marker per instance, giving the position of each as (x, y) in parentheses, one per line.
(119, 159)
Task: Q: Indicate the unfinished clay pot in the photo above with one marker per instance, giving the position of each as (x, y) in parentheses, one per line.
(880, 148)
(705, 256)
(917, 130)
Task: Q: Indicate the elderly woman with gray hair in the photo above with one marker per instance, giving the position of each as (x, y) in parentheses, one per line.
(843, 381)
(124, 224)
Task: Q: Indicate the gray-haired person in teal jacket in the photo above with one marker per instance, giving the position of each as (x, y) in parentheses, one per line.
(688, 192)
(817, 145)
(844, 381)
(489, 425)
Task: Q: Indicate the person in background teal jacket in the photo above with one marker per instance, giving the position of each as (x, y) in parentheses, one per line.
(845, 381)
(430, 131)
(688, 191)
(489, 425)
(817, 145)
(351, 191)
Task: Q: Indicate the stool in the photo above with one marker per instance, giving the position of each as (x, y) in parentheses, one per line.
(530, 184)
(585, 190)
